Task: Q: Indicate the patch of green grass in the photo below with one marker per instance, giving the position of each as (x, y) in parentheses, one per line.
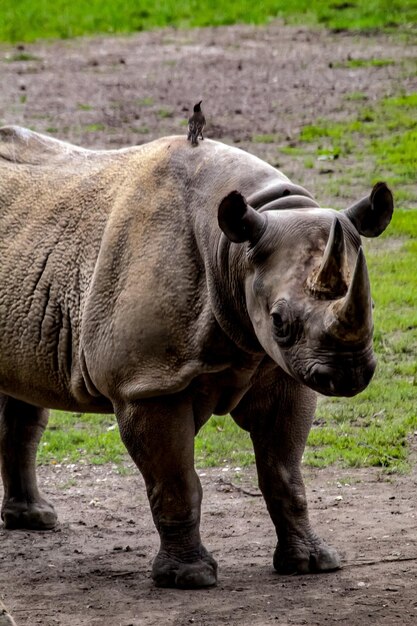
(164, 113)
(221, 442)
(145, 102)
(21, 56)
(356, 96)
(370, 446)
(292, 150)
(358, 63)
(385, 135)
(72, 436)
(93, 128)
(268, 138)
(28, 20)
(142, 130)
(84, 107)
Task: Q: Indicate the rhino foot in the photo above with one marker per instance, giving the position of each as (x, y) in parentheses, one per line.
(38, 515)
(168, 571)
(311, 556)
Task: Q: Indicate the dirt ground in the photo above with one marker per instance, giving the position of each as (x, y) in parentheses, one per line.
(94, 568)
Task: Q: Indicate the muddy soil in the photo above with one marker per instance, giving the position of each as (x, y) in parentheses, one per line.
(93, 570)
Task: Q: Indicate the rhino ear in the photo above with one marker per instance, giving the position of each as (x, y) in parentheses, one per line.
(372, 214)
(239, 221)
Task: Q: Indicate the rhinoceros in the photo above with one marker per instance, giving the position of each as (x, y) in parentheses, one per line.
(166, 284)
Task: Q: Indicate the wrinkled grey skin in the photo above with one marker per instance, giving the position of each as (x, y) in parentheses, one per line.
(166, 284)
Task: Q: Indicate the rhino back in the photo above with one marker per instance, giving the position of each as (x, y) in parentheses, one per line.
(21, 145)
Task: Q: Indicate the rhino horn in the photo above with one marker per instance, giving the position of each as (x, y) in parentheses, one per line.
(355, 312)
(331, 279)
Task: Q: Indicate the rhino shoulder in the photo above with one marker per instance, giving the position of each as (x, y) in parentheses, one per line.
(24, 146)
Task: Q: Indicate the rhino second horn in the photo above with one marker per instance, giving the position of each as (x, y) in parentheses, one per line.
(355, 313)
(331, 279)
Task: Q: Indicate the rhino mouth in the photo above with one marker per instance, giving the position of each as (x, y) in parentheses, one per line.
(333, 380)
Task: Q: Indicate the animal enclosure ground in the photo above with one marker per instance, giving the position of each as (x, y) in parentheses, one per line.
(259, 87)
(94, 569)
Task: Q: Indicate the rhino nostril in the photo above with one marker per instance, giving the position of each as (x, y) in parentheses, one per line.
(323, 378)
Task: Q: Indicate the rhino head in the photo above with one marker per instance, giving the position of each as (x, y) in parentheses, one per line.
(307, 288)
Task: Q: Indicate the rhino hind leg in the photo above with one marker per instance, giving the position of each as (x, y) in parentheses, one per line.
(278, 417)
(21, 427)
(159, 435)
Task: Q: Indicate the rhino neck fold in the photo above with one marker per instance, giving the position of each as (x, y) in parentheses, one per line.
(227, 272)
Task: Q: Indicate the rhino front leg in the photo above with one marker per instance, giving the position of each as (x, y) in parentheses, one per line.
(21, 427)
(159, 435)
(279, 419)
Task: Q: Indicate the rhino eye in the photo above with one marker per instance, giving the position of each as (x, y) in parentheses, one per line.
(283, 327)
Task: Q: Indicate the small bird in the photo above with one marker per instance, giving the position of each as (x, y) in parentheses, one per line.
(196, 124)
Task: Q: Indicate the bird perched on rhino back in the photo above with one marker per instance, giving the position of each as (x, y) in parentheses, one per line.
(196, 124)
